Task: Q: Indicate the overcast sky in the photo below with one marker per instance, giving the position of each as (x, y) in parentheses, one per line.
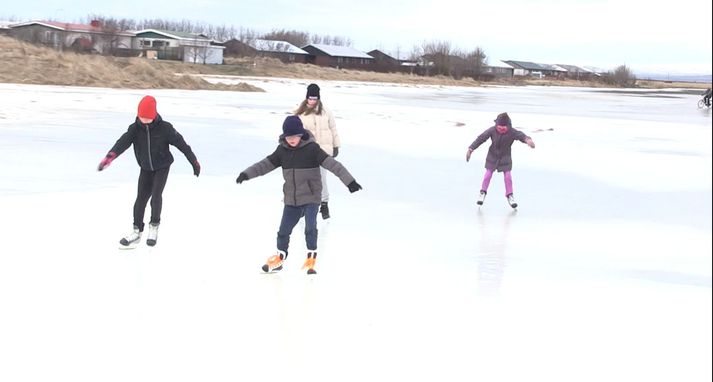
(675, 38)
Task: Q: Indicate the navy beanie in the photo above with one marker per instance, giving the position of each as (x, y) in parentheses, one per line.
(293, 126)
(312, 91)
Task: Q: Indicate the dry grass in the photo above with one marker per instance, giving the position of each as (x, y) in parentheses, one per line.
(32, 64)
(650, 84)
(270, 67)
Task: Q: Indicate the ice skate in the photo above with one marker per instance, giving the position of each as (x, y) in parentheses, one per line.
(153, 235)
(511, 201)
(131, 240)
(274, 263)
(481, 197)
(309, 263)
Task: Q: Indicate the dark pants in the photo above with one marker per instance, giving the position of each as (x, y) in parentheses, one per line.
(151, 184)
(290, 216)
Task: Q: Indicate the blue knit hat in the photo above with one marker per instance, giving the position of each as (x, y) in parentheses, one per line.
(293, 126)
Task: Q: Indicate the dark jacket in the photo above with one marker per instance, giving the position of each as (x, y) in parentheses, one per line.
(151, 144)
(300, 169)
(499, 156)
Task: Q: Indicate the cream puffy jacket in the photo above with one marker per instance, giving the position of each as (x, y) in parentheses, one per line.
(323, 129)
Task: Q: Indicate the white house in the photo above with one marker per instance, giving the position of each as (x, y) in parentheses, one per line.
(188, 47)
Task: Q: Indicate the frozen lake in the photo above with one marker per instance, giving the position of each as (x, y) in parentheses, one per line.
(603, 272)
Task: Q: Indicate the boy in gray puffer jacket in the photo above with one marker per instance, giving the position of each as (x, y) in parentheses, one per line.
(300, 158)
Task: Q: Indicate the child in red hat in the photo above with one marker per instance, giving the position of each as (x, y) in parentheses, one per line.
(151, 136)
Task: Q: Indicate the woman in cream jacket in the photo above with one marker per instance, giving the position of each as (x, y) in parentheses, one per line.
(320, 122)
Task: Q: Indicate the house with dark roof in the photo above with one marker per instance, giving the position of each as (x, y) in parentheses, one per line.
(173, 45)
(384, 62)
(578, 72)
(282, 50)
(339, 56)
(81, 37)
(526, 68)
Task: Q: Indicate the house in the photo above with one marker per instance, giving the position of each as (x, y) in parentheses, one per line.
(554, 71)
(339, 56)
(5, 27)
(499, 69)
(525, 68)
(282, 50)
(384, 62)
(93, 37)
(578, 72)
(183, 46)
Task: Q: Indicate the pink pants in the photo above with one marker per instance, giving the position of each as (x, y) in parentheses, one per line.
(508, 181)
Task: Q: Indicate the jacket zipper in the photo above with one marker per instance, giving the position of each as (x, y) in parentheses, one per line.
(294, 178)
(148, 139)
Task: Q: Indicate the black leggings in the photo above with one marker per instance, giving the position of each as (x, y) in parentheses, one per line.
(151, 184)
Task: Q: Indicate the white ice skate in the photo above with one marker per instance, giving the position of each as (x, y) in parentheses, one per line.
(511, 201)
(153, 235)
(481, 197)
(131, 240)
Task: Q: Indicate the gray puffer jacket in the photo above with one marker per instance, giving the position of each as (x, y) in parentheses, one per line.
(300, 169)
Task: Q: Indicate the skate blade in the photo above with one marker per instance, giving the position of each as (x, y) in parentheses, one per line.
(266, 270)
(128, 247)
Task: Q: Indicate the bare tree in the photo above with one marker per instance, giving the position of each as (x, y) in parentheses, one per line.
(622, 76)
(438, 55)
(477, 62)
(294, 37)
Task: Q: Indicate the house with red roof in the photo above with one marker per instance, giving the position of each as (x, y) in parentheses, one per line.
(92, 37)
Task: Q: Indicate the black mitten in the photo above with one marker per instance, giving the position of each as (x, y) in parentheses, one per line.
(241, 178)
(354, 186)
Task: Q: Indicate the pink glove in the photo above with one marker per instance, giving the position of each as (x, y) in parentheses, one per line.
(106, 161)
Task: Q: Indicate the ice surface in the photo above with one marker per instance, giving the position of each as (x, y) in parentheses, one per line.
(603, 273)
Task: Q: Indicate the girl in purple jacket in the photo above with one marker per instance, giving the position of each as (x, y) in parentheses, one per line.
(499, 158)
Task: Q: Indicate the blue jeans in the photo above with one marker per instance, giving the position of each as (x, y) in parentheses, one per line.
(290, 216)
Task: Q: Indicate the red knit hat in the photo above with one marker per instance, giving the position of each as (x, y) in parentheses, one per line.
(147, 108)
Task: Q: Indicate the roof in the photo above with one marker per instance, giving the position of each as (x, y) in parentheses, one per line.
(499, 64)
(526, 65)
(71, 27)
(555, 68)
(339, 51)
(375, 52)
(572, 68)
(275, 46)
(174, 34)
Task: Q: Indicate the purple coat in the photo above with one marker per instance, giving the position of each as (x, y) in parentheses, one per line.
(499, 157)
